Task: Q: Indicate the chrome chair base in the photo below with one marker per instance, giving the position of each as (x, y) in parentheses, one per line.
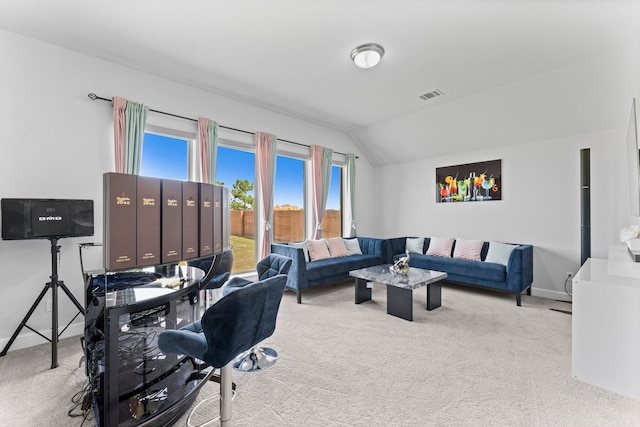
(226, 396)
(255, 359)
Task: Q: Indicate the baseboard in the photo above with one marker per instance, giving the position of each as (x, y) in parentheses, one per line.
(28, 339)
(545, 293)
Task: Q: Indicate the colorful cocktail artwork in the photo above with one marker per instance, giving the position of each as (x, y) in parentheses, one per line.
(471, 182)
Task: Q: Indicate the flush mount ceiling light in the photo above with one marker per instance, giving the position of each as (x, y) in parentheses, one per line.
(367, 55)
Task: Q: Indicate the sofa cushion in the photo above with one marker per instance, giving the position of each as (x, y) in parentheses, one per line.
(415, 244)
(337, 247)
(318, 250)
(461, 267)
(353, 246)
(499, 252)
(440, 246)
(468, 249)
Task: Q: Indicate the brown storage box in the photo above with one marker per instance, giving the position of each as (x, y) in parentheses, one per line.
(217, 219)
(171, 218)
(119, 221)
(148, 221)
(226, 234)
(190, 208)
(206, 219)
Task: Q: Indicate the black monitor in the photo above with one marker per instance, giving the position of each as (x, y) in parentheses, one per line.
(46, 218)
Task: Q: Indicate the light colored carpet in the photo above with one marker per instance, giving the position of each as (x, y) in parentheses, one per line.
(477, 360)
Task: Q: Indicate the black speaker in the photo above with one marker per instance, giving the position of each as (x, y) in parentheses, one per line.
(46, 218)
(585, 204)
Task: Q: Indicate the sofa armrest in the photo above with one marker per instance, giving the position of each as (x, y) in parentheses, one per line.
(297, 277)
(520, 268)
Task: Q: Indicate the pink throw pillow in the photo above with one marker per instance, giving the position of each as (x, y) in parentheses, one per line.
(318, 250)
(440, 246)
(468, 249)
(337, 248)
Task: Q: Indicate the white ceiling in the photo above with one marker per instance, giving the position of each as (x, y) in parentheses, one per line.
(292, 56)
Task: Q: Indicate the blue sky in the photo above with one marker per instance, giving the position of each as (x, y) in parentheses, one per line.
(166, 158)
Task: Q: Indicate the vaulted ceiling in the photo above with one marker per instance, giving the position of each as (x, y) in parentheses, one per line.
(292, 56)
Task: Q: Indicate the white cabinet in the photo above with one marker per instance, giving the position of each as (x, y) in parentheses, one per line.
(606, 327)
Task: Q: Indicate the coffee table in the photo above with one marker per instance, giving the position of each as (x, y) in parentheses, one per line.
(399, 287)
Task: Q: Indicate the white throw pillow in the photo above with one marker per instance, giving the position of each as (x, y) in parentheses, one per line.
(499, 252)
(318, 249)
(353, 246)
(440, 246)
(415, 244)
(468, 249)
(304, 246)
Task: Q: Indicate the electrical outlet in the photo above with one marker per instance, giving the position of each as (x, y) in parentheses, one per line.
(49, 306)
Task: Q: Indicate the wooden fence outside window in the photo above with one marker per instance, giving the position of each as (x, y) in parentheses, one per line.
(288, 224)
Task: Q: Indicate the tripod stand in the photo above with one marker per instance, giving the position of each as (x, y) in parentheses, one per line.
(54, 284)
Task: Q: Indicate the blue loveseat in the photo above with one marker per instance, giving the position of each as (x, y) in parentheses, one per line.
(516, 276)
(305, 274)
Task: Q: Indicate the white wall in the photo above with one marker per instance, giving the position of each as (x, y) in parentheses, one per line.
(56, 143)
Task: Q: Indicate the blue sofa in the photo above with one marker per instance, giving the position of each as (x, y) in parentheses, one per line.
(303, 274)
(515, 277)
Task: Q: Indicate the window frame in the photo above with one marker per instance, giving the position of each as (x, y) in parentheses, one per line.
(193, 169)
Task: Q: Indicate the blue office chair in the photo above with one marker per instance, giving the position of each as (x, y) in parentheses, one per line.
(232, 325)
(258, 358)
(269, 266)
(218, 277)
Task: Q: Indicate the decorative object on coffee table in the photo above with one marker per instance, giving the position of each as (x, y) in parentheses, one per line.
(402, 265)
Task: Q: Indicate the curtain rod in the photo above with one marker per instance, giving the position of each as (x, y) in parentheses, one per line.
(93, 97)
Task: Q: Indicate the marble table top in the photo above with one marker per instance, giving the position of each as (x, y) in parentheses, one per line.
(416, 278)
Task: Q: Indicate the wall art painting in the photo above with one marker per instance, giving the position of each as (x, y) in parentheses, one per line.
(470, 182)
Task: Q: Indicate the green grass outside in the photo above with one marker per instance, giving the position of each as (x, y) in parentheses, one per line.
(243, 253)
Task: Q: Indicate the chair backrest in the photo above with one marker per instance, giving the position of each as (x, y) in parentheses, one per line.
(273, 265)
(219, 275)
(242, 319)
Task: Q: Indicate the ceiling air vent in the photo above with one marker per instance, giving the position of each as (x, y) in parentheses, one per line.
(431, 94)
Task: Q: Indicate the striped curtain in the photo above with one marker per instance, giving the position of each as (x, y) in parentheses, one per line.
(266, 168)
(135, 121)
(129, 120)
(207, 149)
(350, 195)
(119, 105)
(320, 183)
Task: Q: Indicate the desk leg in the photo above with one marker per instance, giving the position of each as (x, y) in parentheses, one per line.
(400, 302)
(434, 296)
(363, 293)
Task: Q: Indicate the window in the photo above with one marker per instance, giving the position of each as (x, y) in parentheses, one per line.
(288, 200)
(332, 221)
(164, 157)
(235, 169)
(168, 155)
